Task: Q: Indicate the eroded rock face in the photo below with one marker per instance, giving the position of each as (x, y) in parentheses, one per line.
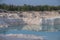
(44, 20)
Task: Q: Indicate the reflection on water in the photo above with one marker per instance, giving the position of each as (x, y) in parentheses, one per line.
(48, 28)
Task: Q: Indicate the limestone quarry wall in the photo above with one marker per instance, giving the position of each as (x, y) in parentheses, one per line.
(39, 20)
(30, 18)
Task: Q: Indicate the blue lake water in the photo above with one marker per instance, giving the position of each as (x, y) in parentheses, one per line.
(48, 35)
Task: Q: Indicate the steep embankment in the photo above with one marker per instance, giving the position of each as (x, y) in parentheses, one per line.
(30, 18)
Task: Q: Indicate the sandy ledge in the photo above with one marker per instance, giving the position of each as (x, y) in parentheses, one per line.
(20, 37)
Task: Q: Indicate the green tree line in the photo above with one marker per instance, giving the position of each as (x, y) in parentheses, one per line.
(29, 7)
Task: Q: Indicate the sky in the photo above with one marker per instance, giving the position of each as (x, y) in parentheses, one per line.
(31, 2)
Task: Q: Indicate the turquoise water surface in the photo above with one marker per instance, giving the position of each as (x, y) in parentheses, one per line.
(16, 30)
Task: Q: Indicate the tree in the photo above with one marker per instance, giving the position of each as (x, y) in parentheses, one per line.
(29, 7)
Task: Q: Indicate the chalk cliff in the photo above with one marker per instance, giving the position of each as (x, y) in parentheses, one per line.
(40, 18)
